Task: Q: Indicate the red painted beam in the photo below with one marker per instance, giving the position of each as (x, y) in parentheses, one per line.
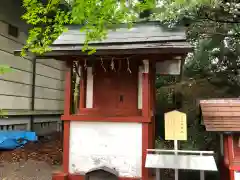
(139, 119)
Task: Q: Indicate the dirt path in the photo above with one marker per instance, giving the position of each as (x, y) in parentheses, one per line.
(29, 170)
(34, 161)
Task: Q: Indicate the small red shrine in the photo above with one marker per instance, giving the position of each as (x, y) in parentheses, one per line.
(109, 118)
(223, 116)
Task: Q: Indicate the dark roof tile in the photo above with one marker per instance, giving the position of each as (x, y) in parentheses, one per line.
(142, 32)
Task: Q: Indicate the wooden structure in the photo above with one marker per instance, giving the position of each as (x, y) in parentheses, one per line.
(31, 95)
(223, 115)
(113, 123)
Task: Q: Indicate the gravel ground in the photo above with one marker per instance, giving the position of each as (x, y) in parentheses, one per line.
(28, 170)
(35, 161)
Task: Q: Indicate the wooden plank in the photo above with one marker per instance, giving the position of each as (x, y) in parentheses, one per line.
(51, 83)
(223, 126)
(4, 32)
(220, 101)
(236, 159)
(12, 88)
(43, 104)
(53, 63)
(236, 104)
(15, 61)
(222, 129)
(217, 128)
(175, 125)
(18, 76)
(222, 123)
(50, 72)
(229, 114)
(221, 109)
(229, 119)
(9, 45)
(13, 102)
(41, 92)
(222, 118)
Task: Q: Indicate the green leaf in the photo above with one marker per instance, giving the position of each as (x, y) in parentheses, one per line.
(92, 51)
(4, 69)
(95, 16)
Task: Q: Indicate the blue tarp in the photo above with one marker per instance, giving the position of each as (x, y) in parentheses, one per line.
(14, 139)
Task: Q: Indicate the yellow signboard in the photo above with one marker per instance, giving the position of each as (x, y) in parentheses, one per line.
(175, 125)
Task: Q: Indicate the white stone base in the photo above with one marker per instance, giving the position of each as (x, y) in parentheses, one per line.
(112, 144)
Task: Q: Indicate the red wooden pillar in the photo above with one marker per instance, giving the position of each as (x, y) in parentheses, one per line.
(67, 107)
(146, 107)
(230, 155)
(225, 165)
(227, 170)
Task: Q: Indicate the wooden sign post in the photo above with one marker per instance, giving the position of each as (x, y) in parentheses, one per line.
(175, 129)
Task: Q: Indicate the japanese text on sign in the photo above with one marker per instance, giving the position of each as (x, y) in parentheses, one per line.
(175, 125)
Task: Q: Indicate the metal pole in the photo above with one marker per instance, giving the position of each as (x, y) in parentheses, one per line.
(34, 64)
(158, 174)
(176, 149)
(202, 176)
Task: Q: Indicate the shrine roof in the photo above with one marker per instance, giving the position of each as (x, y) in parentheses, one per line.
(142, 38)
(140, 33)
(221, 115)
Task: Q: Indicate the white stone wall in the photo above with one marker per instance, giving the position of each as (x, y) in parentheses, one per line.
(112, 144)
